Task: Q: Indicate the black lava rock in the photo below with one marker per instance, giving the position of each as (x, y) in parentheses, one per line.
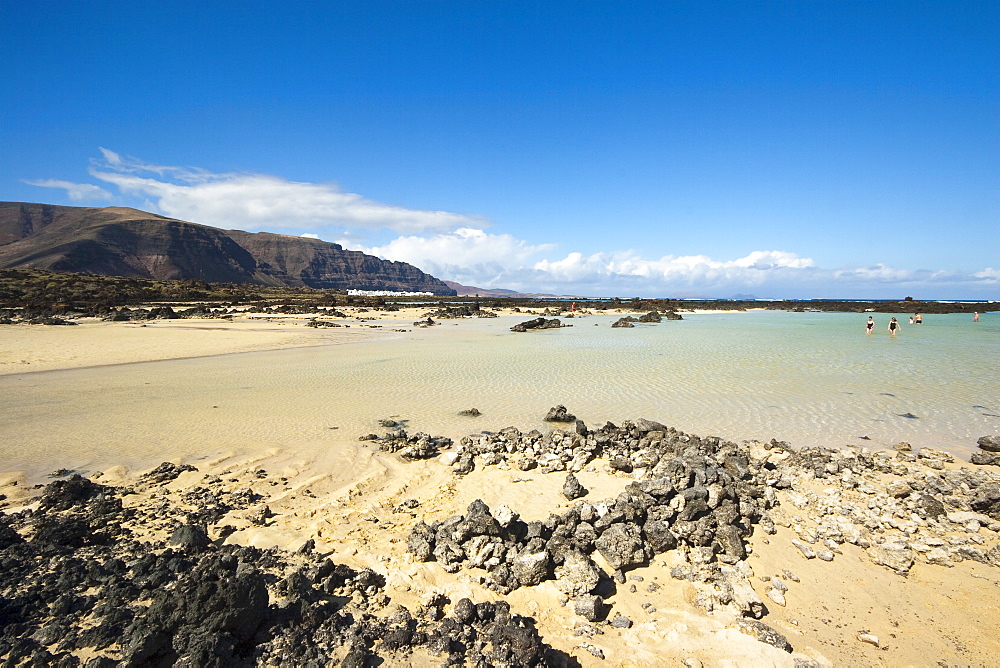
(572, 489)
(559, 414)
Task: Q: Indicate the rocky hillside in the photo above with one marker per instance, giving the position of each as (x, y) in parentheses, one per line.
(117, 241)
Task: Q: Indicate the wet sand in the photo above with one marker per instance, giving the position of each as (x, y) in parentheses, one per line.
(92, 342)
(31, 348)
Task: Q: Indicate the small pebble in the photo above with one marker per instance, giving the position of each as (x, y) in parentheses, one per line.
(868, 638)
(621, 622)
(806, 551)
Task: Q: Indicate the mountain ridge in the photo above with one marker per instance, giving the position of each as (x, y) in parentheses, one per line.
(122, 241)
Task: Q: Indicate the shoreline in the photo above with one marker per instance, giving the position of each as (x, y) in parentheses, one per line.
(90, 342)
(95, 343)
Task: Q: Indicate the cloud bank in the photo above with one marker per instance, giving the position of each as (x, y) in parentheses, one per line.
(251, 201)
(466, 255)
(485, 260)
(455, 247)
(476, 257)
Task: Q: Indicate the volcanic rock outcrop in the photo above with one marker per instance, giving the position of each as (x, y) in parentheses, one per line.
(704, 494)
(76, 579)
(704, 498)
(537, 323)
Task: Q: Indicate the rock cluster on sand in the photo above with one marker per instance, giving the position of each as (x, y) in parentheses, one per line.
(31, 316)
(75, 580)
(650, 317)
(325, 323)
(537, 323)
(125, 314)
(703, 497)
(65, 316)
(700, 494)
(988, 453)
(463, 311)
(922, 511)
(417, 446)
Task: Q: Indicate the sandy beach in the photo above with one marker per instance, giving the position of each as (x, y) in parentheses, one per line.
(93, 342)
(845, 611)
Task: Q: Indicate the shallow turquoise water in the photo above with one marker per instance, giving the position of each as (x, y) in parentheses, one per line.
(805, 377)
(808, 378)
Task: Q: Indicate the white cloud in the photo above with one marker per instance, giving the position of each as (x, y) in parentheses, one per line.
(765, 260)
(876, 273)
(130, 165)
(258, 201)
(464, 255)
(989, 275)
(112, 159)
(309, 235)
(78, 192)
(475, 257)
(686, 270)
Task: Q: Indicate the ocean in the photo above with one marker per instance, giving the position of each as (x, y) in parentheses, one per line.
(806, 378)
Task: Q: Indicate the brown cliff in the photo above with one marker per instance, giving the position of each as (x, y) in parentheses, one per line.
(117, 241)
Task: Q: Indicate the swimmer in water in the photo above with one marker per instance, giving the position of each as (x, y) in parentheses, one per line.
(870, 327)
(893, 325)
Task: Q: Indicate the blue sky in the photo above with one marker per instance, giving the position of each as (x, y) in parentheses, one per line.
(781, 149)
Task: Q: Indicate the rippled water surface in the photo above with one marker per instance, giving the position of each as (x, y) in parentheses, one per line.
(809, 378)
